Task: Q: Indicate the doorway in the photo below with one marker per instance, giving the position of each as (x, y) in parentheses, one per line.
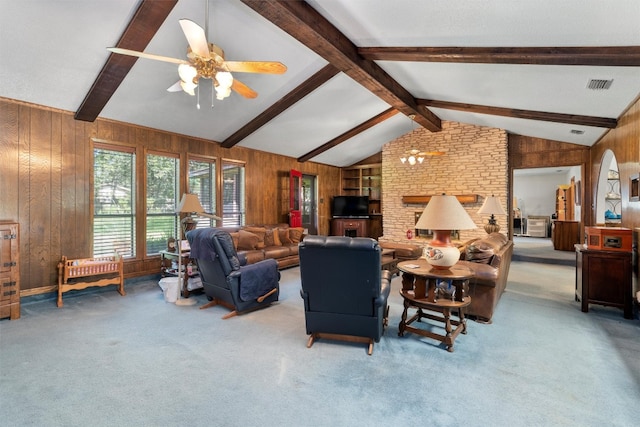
(535, 207)
(608, 197)
(309, 203)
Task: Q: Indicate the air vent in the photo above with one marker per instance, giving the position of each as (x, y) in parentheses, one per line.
(577, 132)
(599, 84)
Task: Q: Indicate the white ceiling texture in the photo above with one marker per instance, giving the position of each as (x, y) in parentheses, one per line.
(52, 51)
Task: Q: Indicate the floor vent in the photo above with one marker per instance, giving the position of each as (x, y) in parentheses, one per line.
(599, 84)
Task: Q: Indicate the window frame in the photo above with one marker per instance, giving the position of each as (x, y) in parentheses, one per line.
(226, 215)
(176, 199)
(214, 187)
(135, 249)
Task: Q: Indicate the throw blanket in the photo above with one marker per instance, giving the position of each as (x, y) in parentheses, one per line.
(258, 279)
(203, 247)
(201, 243)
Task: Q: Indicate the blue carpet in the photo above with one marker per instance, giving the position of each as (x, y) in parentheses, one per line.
(108, 360)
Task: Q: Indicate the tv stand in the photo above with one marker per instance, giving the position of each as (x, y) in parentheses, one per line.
(352, 227)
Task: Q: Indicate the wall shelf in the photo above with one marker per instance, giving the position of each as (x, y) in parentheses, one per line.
(423, 200)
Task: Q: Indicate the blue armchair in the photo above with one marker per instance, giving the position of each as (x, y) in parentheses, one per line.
(345, 291)
(227, 279)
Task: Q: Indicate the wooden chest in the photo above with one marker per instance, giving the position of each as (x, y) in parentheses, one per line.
(9, 271)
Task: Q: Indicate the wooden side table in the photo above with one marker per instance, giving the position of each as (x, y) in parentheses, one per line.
(419, 283)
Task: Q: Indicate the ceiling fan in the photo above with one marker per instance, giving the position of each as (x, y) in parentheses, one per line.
(206, 60)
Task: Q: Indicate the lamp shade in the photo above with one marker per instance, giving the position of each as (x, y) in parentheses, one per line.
(444, 213)
(491, 206)
(189, 203)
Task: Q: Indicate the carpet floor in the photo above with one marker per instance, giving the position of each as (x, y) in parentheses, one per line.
(108, 360)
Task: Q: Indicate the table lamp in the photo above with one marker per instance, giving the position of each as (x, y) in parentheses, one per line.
(491, 206)
(189, 204)
(443, 214)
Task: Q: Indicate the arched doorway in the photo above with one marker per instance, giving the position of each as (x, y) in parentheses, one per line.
(608, 198)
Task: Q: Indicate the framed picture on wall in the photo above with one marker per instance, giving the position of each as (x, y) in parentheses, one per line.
(634, 194)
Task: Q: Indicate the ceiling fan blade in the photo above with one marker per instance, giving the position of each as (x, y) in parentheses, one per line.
(175, 87)
(265, 67)
(243, 89)
(146, 55)
(196, 37)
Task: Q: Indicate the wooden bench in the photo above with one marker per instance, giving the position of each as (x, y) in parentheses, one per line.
(88, 272)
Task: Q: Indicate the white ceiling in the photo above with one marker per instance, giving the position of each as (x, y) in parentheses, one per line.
(51, 52)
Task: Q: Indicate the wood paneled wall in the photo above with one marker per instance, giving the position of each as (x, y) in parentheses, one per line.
(46, 171)
(624, 142)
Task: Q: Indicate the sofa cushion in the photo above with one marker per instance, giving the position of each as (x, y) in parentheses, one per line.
(258, 231)
(247, 241)
(283, 233)
(496, 240)
(295, 234)
(276, 252)
(480, 252)
(272, 237)
(254, 256)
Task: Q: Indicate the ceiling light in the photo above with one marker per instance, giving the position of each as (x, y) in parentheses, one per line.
(577, 131)
(416, 156)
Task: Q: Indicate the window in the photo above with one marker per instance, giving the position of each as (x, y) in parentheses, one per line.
(162, 198)
(202, 180)
(114, 201)
(233, 206)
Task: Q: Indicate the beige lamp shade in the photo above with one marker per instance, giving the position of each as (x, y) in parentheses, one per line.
(189, 203)
(492, 206)
(443, 214)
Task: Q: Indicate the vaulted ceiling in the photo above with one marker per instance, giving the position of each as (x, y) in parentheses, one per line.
(357, 70)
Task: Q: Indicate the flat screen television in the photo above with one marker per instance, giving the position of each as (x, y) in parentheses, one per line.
(350, 206)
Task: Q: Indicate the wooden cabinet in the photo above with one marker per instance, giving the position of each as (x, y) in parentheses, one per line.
(604, 277)
(350, 227)
(565, 235)
(366, 180)
(9, 270)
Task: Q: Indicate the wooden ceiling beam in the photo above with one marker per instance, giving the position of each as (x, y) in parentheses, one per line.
(387, 114)
(305, 24)
(143, 26)
(602, 122)
(308, 86)
(612, 56)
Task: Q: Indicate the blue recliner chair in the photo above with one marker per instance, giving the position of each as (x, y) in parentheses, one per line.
(227, 279)
(344, 289)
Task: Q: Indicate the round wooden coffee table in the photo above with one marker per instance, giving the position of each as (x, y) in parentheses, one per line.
(419, 283)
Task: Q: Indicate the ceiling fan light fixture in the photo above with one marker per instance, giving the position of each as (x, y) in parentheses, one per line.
(188, 87)
(223, 81)
(187, 72)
